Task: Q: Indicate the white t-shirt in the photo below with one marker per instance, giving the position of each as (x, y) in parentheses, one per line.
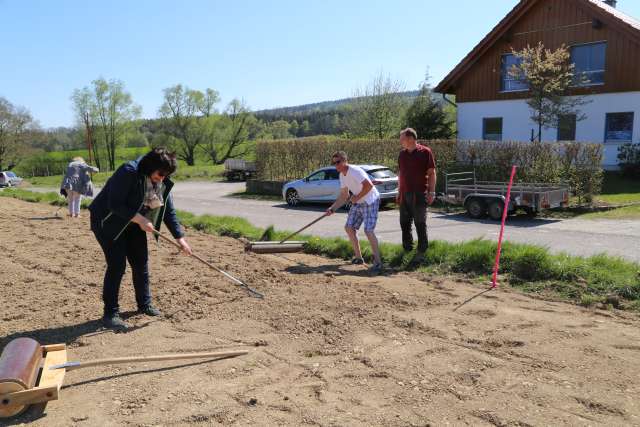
(353, 181)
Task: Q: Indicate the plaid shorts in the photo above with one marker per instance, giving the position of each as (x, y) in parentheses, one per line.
(362, 212)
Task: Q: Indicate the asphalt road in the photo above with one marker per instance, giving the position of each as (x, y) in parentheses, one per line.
(574, 236)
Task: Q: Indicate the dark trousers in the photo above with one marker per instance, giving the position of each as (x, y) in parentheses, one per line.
(130, 246)
(413, 209)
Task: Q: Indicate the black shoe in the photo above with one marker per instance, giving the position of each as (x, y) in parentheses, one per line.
(418, 258)
(357, 261)
(149, 310)
(114, 321)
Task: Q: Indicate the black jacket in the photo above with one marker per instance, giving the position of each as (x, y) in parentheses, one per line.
(122, 197)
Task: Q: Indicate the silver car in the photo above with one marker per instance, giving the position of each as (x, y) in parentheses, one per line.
(323, 185)
(9, 179)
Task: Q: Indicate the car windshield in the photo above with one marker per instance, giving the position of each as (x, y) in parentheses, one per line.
(11, 175)
(382, 173)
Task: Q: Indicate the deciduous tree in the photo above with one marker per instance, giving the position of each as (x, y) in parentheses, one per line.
(549, 75)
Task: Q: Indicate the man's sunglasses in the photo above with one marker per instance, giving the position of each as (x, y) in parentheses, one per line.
(336, 162)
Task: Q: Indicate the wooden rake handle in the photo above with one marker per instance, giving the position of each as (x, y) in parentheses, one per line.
(302, 229)
(219, 270)
(72, 366)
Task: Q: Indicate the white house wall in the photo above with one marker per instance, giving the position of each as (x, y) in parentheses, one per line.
(517, 125)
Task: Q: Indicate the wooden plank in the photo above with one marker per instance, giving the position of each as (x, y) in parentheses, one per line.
(53, 377)
(53, 347)
(34, 395)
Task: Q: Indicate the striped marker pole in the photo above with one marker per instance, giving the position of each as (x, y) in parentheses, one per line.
(496, 266)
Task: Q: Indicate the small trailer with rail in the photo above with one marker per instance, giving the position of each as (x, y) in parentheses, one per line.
(481, 198)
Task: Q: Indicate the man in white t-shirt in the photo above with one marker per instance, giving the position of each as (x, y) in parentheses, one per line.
(365, 201)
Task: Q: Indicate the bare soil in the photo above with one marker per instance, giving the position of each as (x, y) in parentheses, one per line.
(329, 345)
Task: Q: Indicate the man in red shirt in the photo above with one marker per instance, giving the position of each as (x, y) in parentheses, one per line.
(416, 190)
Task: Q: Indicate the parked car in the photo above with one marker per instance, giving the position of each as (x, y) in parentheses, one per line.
(323, 185)
(9, 179)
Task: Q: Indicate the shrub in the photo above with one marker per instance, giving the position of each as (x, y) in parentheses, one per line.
(629, 160)
(577, 164)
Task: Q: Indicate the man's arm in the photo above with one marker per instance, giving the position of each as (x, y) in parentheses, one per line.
(342, 198)
(431, 185)
(366, 187)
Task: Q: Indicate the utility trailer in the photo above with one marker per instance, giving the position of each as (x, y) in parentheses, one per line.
(238, 170)
(480, 198)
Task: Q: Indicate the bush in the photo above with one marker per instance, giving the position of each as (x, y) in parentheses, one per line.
(629, 160)
(577, 164)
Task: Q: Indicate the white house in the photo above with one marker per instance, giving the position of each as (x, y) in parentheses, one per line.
(605, 48)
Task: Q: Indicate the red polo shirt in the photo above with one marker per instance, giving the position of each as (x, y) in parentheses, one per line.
(412, 169)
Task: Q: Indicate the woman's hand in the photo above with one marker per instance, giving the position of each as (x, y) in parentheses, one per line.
(185, 246)
(144, 223)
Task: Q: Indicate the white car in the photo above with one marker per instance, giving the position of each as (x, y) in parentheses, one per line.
(323, 185)
(9, 179)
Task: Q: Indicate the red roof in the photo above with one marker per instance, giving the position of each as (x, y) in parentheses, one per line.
(607, 13)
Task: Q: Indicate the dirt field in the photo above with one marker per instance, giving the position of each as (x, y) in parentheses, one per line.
(328, 346)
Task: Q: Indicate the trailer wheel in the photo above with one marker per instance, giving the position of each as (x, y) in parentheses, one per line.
(495, 210)
(476, 208)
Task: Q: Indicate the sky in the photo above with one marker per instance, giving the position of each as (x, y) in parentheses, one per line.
(270, 53)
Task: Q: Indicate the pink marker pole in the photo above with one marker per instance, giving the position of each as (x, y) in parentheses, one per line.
(496, 266)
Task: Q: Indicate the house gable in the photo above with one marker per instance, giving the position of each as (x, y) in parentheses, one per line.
(554, 23)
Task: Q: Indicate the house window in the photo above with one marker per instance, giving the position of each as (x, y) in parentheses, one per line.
(567, 127)
(510, 83)
(589, 60)
(492, 129)
(619, 127)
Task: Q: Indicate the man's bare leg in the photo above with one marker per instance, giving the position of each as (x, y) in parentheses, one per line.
(355, 243)
(375, 248)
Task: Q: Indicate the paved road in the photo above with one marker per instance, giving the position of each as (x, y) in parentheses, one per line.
(574, 236)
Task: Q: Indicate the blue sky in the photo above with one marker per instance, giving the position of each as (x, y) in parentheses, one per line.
(270, 53)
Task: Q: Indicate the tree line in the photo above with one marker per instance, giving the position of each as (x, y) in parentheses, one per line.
(193, 124)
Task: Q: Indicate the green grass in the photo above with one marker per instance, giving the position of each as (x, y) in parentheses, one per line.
(600, 279)
(184, 173)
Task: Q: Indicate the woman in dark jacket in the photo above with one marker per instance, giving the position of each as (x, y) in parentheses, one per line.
(134, 201)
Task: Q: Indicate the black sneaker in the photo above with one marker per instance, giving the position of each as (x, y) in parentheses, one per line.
(149, 310)
(376, 269)
(114, 321)
(418, 258)
(357, 261)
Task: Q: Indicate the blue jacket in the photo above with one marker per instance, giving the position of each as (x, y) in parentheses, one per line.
(122, 197)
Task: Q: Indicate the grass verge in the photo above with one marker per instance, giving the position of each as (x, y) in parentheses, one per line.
(184, 173)
(597, 280)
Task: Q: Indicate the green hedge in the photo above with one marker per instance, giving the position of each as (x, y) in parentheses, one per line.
(578, 164)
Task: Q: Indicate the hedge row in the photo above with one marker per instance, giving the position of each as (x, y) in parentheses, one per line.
(577, 164)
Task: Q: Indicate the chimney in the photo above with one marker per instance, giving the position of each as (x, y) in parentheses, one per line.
(611, 3)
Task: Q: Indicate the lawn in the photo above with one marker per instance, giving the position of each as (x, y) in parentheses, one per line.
(184, 173)
(618, 190)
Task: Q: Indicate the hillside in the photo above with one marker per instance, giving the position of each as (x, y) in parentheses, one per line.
(318, 106)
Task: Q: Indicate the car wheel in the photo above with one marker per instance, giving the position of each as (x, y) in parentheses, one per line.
(476, 208)
(495, 210)
(293, 198)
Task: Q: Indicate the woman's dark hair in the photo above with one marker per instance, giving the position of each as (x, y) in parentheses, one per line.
(158, 159)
